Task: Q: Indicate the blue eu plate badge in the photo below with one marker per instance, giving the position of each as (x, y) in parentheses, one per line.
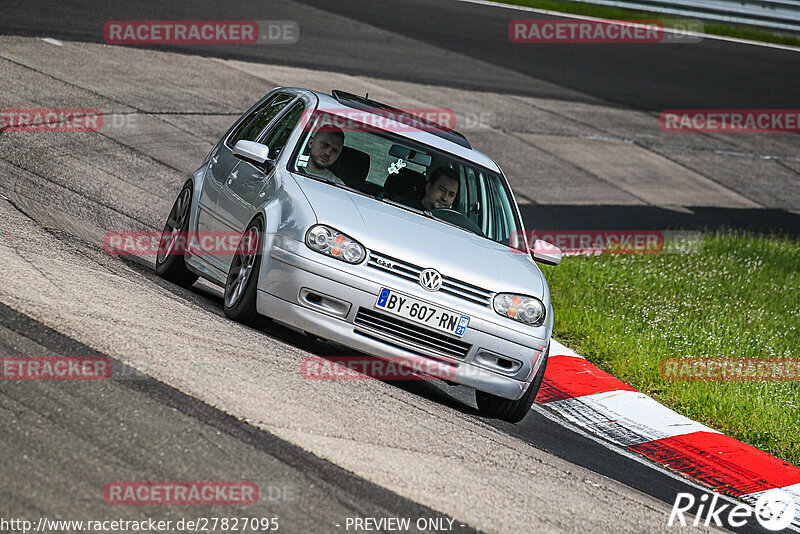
(383, 297)
(462, 325)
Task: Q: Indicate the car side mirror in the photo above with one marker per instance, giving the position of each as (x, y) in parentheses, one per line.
(546, 253)
(253, 152)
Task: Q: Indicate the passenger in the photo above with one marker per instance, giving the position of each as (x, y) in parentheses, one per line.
(324, 149)
(440, 190)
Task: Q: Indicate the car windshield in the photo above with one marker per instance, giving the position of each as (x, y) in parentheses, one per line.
(401, 172)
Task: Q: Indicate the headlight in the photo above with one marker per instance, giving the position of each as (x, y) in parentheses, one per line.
(335, 244)
(527, 310)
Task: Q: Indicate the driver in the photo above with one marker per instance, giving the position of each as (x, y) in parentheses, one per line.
(441, 189)
(324, 150)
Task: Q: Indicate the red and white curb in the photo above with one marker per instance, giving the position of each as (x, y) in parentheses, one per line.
(604, 406)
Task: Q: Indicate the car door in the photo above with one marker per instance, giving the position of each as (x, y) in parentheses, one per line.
(223, 167)
(248, 186)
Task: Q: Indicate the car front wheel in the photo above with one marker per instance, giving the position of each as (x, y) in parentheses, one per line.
(170, 263)
(512, 411)
(240, 287)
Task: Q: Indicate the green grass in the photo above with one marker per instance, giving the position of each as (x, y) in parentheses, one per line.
(727, 30)
(736, 297)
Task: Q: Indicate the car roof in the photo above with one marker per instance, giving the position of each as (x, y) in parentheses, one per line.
(447, 143)
(364, 103)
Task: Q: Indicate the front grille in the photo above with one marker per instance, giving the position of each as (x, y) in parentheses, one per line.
(411, 272)
(397, 330)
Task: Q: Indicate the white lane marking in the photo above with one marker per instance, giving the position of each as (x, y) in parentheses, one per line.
(557, 349)
(52, 41)
(620, 417)
(598, 19)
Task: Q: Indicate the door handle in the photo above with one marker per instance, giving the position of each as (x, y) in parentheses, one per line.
(233, 176)
(214, 159)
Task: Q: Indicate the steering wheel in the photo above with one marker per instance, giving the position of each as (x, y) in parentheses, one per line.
(459, 219)
(446, 211)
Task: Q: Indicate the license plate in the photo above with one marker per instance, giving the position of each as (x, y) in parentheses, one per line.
(424, 313)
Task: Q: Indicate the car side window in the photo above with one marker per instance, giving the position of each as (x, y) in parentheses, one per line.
(277, 136)
(253, 125)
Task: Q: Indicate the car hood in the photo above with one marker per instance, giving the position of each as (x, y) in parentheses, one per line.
(425, 242)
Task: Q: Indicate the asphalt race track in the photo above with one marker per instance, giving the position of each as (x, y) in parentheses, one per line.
(460, 45)
(194, 396)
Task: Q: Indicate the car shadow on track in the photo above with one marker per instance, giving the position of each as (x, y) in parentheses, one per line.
(209, 297)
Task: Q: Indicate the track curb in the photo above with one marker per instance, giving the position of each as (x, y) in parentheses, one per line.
(611, 409)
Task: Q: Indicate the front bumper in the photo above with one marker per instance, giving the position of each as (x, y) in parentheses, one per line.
(289, 277)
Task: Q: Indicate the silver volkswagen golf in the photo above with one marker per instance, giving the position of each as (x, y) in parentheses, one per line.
(374, 228)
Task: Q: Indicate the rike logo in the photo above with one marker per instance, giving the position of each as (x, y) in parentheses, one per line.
(774, 510)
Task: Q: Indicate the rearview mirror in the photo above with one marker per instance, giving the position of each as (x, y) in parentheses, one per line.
(409, 154)
(546, 253)
(251, 151)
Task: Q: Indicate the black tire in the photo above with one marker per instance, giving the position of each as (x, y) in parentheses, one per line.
(512, 411)
(170, 260)
(239, 301)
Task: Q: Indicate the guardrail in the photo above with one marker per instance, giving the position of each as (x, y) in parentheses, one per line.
(779, 15)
